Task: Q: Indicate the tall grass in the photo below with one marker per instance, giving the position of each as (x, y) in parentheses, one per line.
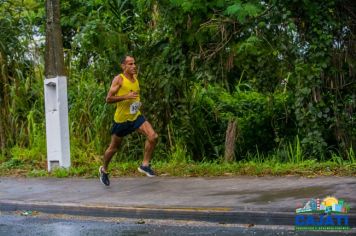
(90, 122)
(295, 152)
(351, 155)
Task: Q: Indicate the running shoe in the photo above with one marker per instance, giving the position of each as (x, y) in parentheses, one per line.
(146, 170)
(104, 177)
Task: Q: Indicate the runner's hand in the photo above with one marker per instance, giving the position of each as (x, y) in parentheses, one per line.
(132, 95)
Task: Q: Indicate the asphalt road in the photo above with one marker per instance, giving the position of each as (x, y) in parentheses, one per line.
(14, 223)
(165, 205)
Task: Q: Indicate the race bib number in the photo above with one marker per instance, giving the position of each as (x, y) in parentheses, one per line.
(134, 107)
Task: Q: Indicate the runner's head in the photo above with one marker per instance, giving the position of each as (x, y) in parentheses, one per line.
(128, 64)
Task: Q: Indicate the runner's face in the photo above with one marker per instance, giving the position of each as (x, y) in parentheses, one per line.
(130, 66)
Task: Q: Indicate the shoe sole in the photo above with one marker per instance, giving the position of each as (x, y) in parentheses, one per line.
(100, 176)
(144, 172)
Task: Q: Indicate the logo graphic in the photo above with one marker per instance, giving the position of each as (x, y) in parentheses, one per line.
(327, 214)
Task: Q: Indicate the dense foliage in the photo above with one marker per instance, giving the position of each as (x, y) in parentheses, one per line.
(284, 70)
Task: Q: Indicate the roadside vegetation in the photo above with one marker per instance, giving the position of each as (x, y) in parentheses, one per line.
(177, 162)
(232, 87)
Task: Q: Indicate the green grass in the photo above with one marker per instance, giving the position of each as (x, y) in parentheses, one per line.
(31, 162)
(308, 168)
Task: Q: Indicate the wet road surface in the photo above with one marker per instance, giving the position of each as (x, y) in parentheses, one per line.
(50, 224)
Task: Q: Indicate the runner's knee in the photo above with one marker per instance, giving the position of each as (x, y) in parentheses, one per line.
(153, 137)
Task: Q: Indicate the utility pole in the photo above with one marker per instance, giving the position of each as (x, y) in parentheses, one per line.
(55, 89)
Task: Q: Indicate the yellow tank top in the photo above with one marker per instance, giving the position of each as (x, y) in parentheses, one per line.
(127, 110)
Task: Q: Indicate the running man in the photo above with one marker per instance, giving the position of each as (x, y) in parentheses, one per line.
(125, 92)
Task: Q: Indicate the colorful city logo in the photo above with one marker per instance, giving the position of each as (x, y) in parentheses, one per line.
(327, 214)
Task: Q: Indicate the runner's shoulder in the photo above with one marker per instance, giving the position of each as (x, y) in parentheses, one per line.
(118, 79)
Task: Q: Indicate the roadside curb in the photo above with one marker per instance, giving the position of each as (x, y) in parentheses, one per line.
(218, 215)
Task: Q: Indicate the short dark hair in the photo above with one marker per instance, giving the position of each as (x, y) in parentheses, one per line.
(123, 58)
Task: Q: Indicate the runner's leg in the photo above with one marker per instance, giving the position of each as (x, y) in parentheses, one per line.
(111, 150)
(150, 143)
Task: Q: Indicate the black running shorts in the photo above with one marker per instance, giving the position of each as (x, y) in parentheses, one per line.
(126, 128)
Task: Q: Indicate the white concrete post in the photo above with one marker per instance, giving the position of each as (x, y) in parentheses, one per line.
(57, 128)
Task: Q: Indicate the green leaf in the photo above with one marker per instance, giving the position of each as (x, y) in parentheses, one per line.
(251, 9)
(233, 9)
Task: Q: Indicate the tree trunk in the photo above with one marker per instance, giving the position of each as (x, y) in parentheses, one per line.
(230, 141)
(2, 134)
(54, 58)
(4, 98)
